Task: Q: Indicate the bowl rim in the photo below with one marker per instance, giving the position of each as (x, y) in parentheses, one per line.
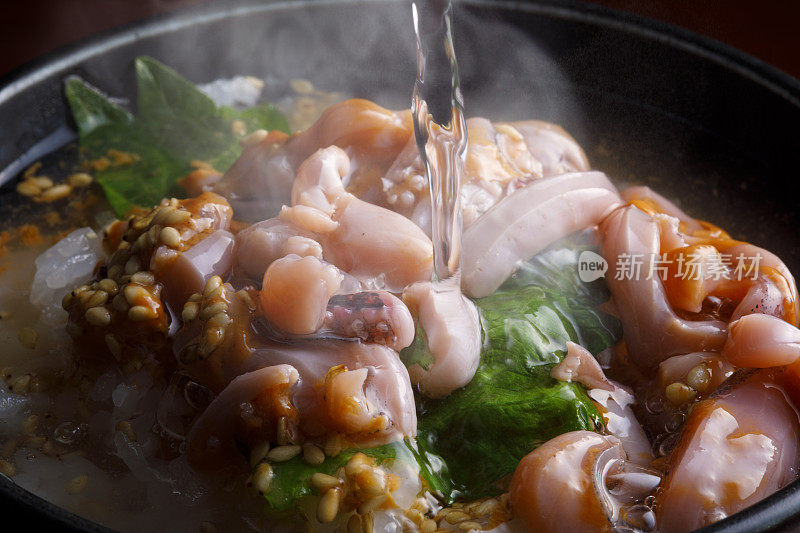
(770, 512)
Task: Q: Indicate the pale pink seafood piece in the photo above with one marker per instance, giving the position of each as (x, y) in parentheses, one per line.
(295, 293)
(737, 447)
(615, 400)
(264, 242)
(527, 221)
(552, 489)
(761, 341)
(369, 379)
(452, 329)
(190, 269)
(261, 179)
(554, 148)
(641, 192)
(677, 368)
(652, 330)
(382, 249)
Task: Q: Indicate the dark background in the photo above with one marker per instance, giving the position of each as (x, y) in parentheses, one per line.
(767, 29)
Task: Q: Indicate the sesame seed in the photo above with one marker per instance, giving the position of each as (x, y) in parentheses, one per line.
(420, 504)
(699, 377)
(679, 393)
(281, 454)
(108, 285)
(212, 337)
(328, 506)
(56, 193)
(100, 297)
(324, 482)
(28, 188)
(140, 313)
(190, 311)
(245, 297)
(178, 216)
(211, 310)
(371, 481)
(428, 526)
(356, 464)
(368, 521)
(220, 319)
(262, 477)
(43, 182)
(333, 445)
(211, 285)
(143, 277)
(454, 517)
(171, 237)
(354, 524)
(217, 293)
(135, 294)
(80, 179)
(415, 516)
(98, 316)
(312, 454)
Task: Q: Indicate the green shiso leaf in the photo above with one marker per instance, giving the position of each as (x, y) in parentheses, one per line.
(292, 479)
(176, 124)
(512, 405)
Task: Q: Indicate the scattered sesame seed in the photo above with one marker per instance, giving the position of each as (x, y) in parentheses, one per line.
(28, 337)
(56, 193)
(281, 454)
(80, 179)
(328, 506)
(312, 454)
(262, 477)
(28, 188)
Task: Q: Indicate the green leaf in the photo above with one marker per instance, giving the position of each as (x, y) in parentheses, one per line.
(418, 352)
(292, 479)
(144, 182)
(176, 124)
(512, 405)
(264, 116)
(90, 108)
(162, 91)
(556, 268)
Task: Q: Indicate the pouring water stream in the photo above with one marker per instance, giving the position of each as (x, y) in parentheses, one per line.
(440, 133)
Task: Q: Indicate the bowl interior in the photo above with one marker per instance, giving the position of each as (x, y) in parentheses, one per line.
(697, 122)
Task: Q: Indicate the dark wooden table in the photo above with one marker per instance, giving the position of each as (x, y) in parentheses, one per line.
(767, 29)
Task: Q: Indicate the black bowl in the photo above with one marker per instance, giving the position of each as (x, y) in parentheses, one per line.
(696, 120)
